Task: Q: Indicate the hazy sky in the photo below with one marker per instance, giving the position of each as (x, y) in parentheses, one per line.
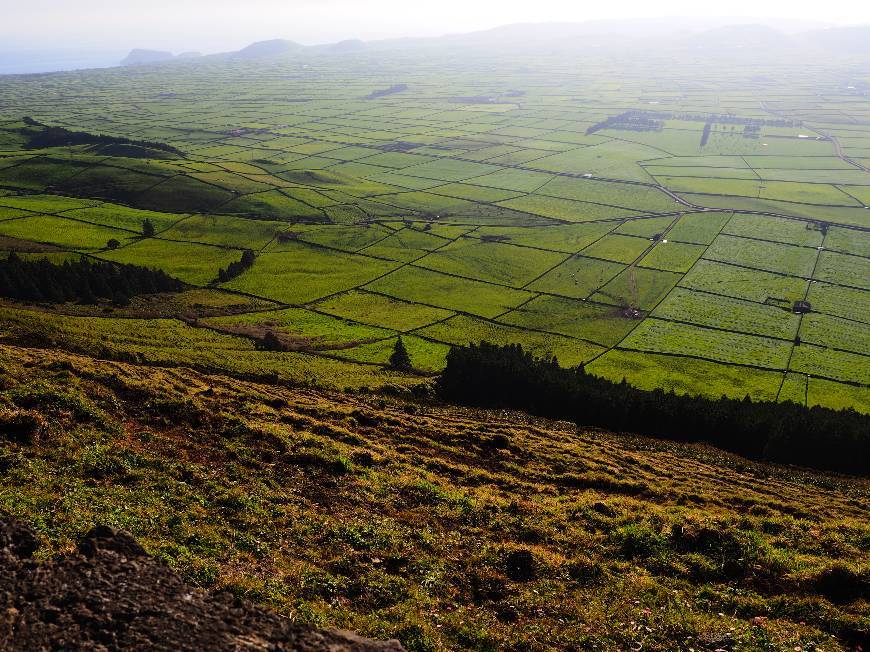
(218, 25)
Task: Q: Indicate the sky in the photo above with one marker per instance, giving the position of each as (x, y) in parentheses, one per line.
(222, 25)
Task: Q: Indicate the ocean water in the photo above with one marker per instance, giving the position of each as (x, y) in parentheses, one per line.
(36, 61)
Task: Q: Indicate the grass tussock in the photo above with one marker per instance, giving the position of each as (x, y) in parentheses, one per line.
(449, 528)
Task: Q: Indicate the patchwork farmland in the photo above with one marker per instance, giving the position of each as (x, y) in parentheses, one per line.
(487, 200)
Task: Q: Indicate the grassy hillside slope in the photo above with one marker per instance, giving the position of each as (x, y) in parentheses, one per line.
(447, 528)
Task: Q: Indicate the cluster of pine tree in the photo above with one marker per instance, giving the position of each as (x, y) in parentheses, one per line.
(234, 269)
(83, 281)
(44, 136)
(488, 375)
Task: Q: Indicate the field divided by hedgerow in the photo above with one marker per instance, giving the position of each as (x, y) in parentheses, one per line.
(585, 216)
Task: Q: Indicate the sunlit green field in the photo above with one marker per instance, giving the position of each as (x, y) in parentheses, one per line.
(515, 217)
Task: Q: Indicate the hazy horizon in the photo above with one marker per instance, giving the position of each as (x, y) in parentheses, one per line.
(36, 36)
(222, 25)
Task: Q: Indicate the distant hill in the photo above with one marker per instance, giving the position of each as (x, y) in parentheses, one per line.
(676, 34)
(263, 49)
(140, 57)
(732, 37)
(351, 45)
(851, 40)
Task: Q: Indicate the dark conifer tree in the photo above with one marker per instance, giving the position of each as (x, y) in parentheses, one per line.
(400, 359)
(235, 269)
(488, 375)
(83, 280)
(270, 342)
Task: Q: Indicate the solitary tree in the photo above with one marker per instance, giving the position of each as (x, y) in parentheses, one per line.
(113, 244)
(147, 228)
(400, 358)
(270, 342)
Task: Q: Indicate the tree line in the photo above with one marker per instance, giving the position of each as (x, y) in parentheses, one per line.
(83, 281)
(392, 90)
(488, 375)
(40, 136)
(235, 269)
(640, 120)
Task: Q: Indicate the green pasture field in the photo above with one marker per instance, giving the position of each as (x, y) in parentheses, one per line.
(699, 228)
(494, 262)
(838, 214)
(474, 193)
(728, 314)
(839, 301)
(170, 342)
(831, 364)
(848, 241)
(49, 204)
(612, 159)
(657, 336)
(425, 355)
(225, 231)
(704, 172)
(379, 310)
(649, 370)
(350, 238)
(837, 396)
(35, 174)
(842, 269)
(450, 292)
(807, 193)
(673, 256)
(618, 248)
(12, 213)
(565, 210)
(637, 288)
(123, 217)
(62, 232)
(578, 277)
(836, 333)
(405, 244)
(514, 179)
(786, 259)
(638, 198)
(462, 328)
(742, 283)
(565, 238)
(311, 330)
(647, 227)
(805, 234)
(860, 193)
(192, 263)
(539, 219)
(273, 205)
(301, 273)
(182, 194)
(596, 323)
(795, 388)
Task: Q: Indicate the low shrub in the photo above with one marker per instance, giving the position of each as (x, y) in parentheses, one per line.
(21, 426)
(842, 584)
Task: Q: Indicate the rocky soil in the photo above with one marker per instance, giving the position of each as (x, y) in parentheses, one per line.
(110, 595)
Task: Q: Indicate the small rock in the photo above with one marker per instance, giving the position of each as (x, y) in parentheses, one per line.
(103, 537)
(603, 508)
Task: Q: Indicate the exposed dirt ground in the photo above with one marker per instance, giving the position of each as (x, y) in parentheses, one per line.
(110, 595)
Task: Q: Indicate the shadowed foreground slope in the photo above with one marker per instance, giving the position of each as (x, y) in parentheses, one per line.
(443, 527)
(110, 595)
